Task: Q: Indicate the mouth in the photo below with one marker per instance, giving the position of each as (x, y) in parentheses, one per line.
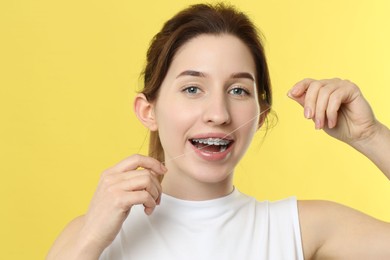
(211, 145)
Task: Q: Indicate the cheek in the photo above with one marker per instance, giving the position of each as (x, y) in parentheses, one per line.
(248, 110)
(174, 121)
(246, 119)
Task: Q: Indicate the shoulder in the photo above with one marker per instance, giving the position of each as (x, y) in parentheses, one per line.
(314, 224)
(333, 230)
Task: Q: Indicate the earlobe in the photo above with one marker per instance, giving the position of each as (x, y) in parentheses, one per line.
(145, 112)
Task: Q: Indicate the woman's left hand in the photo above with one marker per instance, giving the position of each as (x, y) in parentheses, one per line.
(338, 107)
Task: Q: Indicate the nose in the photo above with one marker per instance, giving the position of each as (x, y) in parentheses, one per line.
(216, 111)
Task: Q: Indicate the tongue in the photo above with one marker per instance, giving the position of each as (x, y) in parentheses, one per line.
(208, 148)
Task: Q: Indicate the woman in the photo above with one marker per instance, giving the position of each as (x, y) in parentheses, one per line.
(206, 93)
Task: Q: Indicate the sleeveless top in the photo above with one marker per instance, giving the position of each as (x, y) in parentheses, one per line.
(232, 227)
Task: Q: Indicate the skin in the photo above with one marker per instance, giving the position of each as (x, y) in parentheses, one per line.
(218, 105)
(211, 102)
(330, 230)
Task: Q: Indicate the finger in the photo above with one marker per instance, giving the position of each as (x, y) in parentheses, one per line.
(321, 106)
(337, 99)
(132, 174)
(112, 178)
(334, 105)
(149, 205)
(300, 87)
(132, 180)
(311, 98)
(126, 200)
(312, 94)
(298, 91)
(345, 92)
(136, 161)
(139, 183)
(155, 183)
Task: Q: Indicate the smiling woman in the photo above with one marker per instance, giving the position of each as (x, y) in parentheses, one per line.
(206, 93)
(213, 111)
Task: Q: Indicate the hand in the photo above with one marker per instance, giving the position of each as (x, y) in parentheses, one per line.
(121, 187)
(337, 106)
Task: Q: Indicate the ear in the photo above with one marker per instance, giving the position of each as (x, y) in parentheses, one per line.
(145, 112)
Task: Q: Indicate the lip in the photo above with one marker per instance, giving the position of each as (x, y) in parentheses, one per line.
(213, 156)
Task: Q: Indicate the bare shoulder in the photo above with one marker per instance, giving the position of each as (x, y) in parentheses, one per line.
(334, 231)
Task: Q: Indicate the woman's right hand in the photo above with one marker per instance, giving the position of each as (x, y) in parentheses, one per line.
(130, 182)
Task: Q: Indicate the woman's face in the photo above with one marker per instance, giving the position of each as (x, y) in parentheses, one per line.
(207, 109)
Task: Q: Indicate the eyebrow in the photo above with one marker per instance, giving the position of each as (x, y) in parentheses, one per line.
(195, 73)
(244, 75)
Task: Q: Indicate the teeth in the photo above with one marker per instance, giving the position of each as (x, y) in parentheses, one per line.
(212, 141)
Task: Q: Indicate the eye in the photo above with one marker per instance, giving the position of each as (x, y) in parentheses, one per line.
(191, 90)
(239, 91)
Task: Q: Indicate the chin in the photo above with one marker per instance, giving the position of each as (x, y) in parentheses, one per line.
(210, 172)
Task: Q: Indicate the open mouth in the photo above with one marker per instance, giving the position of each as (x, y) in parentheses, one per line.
(211, 145)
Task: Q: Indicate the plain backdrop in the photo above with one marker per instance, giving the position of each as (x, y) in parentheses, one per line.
(69, 71)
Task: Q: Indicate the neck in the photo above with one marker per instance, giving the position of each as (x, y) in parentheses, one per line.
(185, 187)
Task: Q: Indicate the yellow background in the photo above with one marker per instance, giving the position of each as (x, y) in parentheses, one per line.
(69, 71)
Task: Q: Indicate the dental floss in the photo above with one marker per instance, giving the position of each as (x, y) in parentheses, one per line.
(244, 124)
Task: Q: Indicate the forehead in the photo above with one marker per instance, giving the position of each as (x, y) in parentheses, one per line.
(213, 54)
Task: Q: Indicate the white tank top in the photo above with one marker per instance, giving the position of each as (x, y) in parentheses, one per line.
(232, 227)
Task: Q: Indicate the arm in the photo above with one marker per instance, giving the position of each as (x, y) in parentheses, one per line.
(73, 245)
(377, 148)
(120, 187)
(339, 108)
(330, 230)
(333, 231)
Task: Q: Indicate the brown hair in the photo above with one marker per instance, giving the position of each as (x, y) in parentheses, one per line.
(187, 24)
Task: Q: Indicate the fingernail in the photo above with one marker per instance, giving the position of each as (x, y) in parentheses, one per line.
(307, 112)
(331, 124)
(294, 91)
(318, 124)
(149, 211)
(163, 167)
